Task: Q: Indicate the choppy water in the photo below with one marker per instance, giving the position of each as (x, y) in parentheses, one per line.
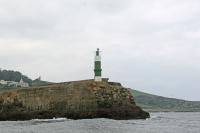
(158, 123)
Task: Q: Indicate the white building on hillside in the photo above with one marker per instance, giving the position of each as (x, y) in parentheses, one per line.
(3, 82)
(12, 83)
(22, 83)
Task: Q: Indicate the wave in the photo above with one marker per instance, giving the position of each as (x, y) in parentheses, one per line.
(49, 120)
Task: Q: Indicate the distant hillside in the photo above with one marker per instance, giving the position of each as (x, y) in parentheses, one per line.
(10, 75)
(38, 82)
(151, 102)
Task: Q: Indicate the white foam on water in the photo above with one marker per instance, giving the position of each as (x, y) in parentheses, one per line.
(50, 120)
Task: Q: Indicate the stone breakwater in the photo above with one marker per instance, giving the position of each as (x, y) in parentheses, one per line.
(73, 100)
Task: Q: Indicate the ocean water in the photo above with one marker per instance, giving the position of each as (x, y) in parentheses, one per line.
(158, 123)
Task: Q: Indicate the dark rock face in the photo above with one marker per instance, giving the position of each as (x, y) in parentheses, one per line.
(74, 100)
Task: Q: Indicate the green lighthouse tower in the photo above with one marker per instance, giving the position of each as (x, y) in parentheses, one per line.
(97, 66)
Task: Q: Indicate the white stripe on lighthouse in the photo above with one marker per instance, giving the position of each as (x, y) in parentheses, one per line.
(97, 58)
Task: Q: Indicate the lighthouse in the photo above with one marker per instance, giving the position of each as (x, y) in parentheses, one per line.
(97, 66)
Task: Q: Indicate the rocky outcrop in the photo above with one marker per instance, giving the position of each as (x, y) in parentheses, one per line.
(74, 100)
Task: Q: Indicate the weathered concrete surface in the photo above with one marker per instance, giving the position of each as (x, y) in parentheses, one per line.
(75, 100)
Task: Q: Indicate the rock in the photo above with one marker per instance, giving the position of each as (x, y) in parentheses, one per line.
(74, 100)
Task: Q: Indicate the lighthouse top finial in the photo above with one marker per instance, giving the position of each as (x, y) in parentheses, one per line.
(97, 52)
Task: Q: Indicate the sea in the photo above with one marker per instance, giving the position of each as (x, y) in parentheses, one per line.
(171, 122)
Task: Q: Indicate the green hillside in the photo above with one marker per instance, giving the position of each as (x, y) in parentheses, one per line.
(151, 102)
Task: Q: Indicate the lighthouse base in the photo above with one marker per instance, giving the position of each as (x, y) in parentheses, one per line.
(97, 79)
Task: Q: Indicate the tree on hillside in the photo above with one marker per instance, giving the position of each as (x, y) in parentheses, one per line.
(9, 75)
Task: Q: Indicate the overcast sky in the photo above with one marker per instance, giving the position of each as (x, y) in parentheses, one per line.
(148, 45)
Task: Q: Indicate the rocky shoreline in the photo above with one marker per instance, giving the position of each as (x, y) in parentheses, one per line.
(74, 100)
